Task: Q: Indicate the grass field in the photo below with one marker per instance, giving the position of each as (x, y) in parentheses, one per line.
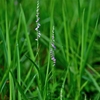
(49, 49)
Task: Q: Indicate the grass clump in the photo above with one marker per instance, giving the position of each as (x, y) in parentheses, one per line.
(49, 52)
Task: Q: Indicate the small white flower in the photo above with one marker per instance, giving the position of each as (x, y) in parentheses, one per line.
(37, 22)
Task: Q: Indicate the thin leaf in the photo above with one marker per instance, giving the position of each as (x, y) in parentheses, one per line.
(4, 45)
(93, 80)
(19, 87)
(36, 66)
(4, 79)
(39, 94)
(30, 83)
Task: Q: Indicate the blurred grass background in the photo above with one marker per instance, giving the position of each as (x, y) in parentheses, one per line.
(76, 74)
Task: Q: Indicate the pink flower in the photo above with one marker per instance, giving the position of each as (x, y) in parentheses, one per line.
(53, 47)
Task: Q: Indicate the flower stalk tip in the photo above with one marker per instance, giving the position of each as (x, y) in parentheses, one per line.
(37, 22)
(53, 47)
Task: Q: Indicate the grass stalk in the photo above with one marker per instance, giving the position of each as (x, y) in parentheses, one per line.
(81, 60)
(18, 71)
(11, 84)
(87, 23)
(18, 57)
(65, 31)
(48, 64)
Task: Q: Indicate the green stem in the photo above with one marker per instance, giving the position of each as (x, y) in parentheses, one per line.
(18, 71)
(11, 85)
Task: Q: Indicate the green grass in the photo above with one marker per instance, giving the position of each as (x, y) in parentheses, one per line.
(27, 71)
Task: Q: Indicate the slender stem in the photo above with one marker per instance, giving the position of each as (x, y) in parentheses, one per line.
(18, 71)
(9, 54)
(47, 72)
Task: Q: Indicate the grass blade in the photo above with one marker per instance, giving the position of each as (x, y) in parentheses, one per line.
(93, 80)
(36, 66)
(19, 87)
(11, 83)
(39, 94)
(4, 79)
(91, 41)
(18, 72)
(30, 84)
(4, 45)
